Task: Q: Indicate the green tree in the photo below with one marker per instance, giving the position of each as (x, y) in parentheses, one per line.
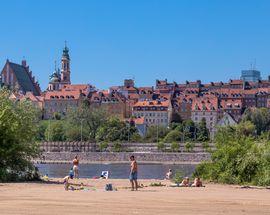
(55, 131)
(90, 119)
(41, 129)
(112, 130)
(203, 132)
(18, 122)
(239, 158)
(154, 132)
(260, 117)
(173, 136)
(175, 147)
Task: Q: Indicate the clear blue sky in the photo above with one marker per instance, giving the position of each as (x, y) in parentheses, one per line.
(111, 40)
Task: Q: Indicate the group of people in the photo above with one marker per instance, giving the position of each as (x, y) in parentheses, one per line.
(185, 182)
(133, 175)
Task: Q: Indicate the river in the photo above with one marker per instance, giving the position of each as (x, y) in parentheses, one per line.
(116, 171)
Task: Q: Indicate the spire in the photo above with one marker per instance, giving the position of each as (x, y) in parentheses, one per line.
(65, 51)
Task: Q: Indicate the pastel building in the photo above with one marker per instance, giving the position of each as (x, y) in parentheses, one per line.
(154, 112)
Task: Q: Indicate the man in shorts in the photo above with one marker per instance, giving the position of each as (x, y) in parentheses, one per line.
(76, 167)
(133, 173)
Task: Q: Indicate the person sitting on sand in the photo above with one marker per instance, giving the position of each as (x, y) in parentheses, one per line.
(169, 175)
(71, 174)
(197, 182)
(76, 167)
(66, 182)
(185, 182)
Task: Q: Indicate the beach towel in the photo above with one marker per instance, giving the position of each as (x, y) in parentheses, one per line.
(105, 174)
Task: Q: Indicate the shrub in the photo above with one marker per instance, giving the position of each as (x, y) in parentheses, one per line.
(103, 146)
(206, 146)
(117, 147)
(161, 146)
(189, 146)
(172, 136)
(238, 158)
(178, 177)
(174, 147)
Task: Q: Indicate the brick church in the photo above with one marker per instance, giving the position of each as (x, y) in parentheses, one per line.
(19, 78)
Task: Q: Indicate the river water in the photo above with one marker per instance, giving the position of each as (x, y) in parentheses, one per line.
(116, 171)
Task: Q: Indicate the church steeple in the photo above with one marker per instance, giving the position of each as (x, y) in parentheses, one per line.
(65, 66)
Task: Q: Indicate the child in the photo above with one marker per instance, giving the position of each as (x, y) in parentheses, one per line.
(71, 174)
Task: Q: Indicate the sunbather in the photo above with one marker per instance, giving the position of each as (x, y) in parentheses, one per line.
(185, 182)
(197, 182)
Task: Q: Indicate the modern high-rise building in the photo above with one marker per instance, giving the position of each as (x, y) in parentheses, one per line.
(251, 75)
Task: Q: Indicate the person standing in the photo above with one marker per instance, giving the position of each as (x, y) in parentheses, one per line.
(133, 173)
(76, 167)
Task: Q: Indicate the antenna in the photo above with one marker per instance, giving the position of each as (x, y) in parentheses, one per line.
(254, 64)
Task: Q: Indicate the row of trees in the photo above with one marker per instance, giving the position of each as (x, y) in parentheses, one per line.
(86, 124)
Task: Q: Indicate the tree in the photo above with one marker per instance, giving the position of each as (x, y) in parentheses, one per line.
(87, 118)
(176, 117)
(55, 131)
(239, 158)
(18, 122)
(115, 130)
(203, 132)
(260, 117)
(156, 132)
(188, 130)
(173, 136)
(41, 129)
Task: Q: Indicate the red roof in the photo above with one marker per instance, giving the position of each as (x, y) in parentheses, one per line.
(205, 104)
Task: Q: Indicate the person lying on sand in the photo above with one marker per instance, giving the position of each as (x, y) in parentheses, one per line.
(185, 182)
(197, 182)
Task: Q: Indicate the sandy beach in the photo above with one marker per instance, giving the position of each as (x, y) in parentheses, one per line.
(44, 199)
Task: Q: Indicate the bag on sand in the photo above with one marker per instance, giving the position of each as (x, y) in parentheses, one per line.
(108, 187)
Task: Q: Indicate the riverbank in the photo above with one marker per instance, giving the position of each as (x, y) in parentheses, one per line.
(42, 198)
(123, 157)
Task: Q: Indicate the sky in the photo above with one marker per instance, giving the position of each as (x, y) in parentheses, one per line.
(111, 40)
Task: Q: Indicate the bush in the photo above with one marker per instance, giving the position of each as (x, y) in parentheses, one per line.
(174, 147)
(189, 146)
(103, 146)
(178, 177)
(117, 147)
(239, 158)
(206, 146)
(172, 136)
(161, 146)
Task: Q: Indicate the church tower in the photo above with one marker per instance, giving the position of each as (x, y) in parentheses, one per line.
(65, 67)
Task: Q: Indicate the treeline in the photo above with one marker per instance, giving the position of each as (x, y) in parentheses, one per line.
(242, 154)
(86, 124)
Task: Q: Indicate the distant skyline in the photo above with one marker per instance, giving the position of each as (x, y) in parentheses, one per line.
(111, 40)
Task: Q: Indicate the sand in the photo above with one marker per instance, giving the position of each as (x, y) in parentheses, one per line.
(41, 198)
